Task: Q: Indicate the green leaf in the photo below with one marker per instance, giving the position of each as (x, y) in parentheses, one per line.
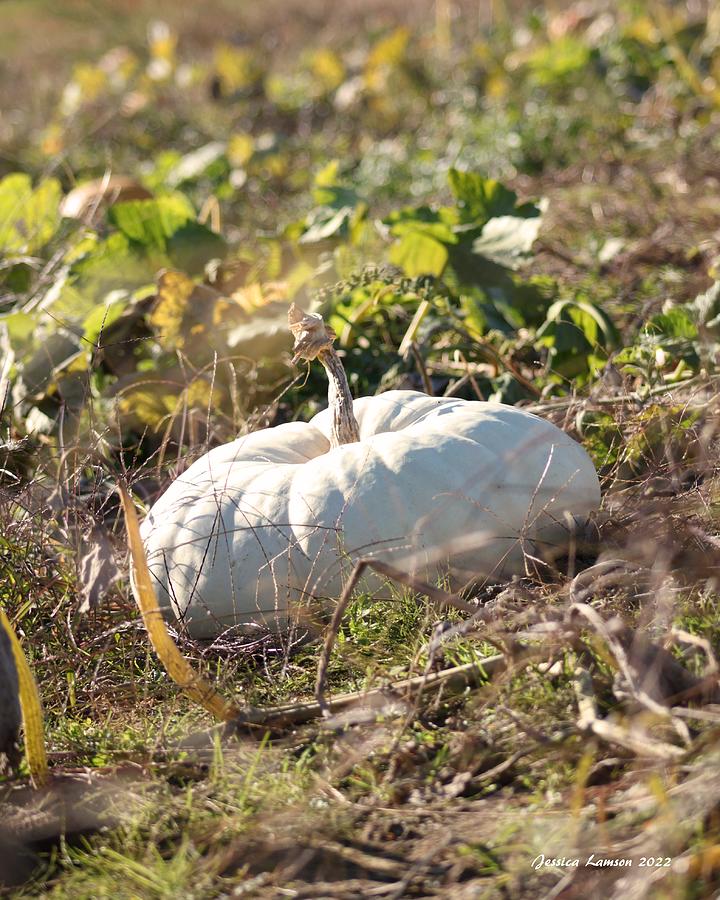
(419, 254)
(58, 350)
(28, 218)
(559, 59)
(594, 324)
(436, 229)
(468, 271)
(17, 279)
(152, 222)
(389, 50)
(330, 191)
(163, 164)
(475, 314)
(578, 335)
(480, 198)
(423, 235)
(675, 322)
(192, 247)
(113, 264)
(20, 326)
(103, 316)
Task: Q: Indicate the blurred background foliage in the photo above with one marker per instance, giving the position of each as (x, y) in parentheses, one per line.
(170, 185)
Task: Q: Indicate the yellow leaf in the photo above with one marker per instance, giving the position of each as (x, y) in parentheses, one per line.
(390, 50)
(91, 81)
(327, 68)
(52, 140)
(643, 30)
(120, 64)
(241, 147)
(256, 295)
(276, 164)
(329, 175)
(147, 405)
(221, 310)
(174, 290)
(702, 864)
(198, 394)
(387, 54)
(497, 85)
(236, 67)
(298, 277)
(250, 297)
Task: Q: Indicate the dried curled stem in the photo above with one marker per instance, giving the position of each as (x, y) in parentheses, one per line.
(178, 668)
(314, 340)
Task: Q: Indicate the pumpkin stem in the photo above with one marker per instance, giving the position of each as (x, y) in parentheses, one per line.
(314, 340)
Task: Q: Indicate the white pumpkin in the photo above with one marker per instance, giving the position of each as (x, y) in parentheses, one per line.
(438, 486)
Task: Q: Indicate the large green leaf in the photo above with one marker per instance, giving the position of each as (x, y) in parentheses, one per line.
(418, 254)
(192, 247)
(435, 222)
(20, 326)
(28, 218)
(112, 264)
(152, 222)
(478, 198)
(336, 195)
(54, 355)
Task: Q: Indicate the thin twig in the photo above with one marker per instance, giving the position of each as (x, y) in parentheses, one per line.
(435, 595)
(332, 632)
(453, 681)
(420, 364)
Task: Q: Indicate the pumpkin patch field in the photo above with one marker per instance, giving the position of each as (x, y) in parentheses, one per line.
(359, 441)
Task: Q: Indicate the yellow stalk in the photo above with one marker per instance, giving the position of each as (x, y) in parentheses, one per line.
(211, 210)
(31, 709)
(409, 335)
(178, 668)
